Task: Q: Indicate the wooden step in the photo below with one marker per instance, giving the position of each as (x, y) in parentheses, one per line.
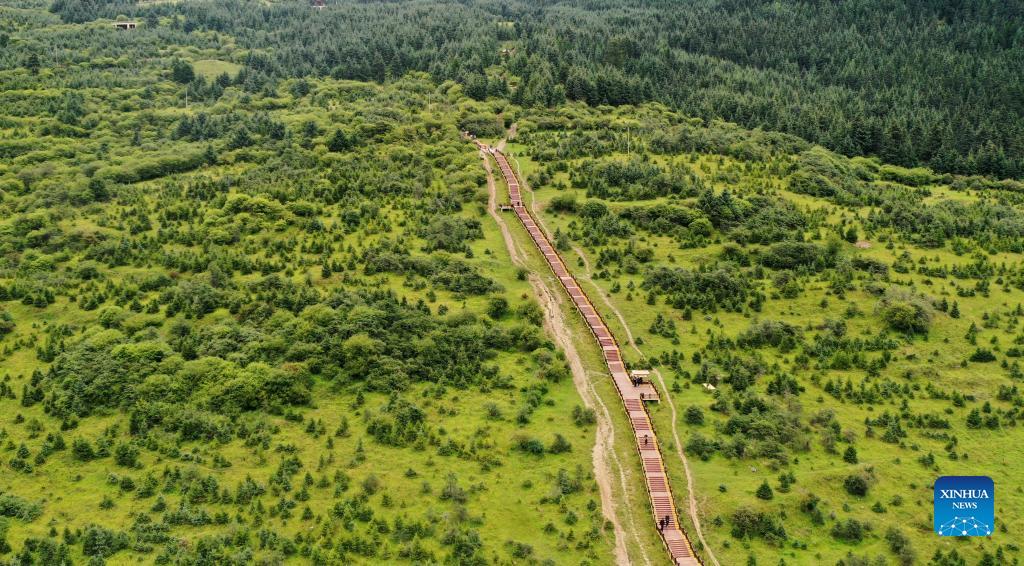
(679, 548)
(653, 467)
(663, 508)
(657, 484)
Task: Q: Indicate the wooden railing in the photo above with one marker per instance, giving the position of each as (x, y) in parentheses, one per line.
(645, 440)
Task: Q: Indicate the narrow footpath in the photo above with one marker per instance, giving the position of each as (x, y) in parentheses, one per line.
(633, 388)
(604, 457)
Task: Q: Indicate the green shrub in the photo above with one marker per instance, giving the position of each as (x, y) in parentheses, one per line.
(905, 311)
(982, 355)
(850, 530)
(17, 508)
(701, 447)
(747, 523)
(915, 177)
(564, 203)
(694, 415)
(856, 485)
(7, 324)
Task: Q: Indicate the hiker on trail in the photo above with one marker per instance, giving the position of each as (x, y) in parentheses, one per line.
(645, 440)
(641, 396)
(667, 520)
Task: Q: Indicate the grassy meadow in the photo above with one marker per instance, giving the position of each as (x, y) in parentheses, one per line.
(924, 375)
(253, 308)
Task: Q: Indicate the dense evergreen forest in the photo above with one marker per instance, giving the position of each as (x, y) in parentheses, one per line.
(936, 83)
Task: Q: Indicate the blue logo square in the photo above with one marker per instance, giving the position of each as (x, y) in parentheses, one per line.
(965, 506)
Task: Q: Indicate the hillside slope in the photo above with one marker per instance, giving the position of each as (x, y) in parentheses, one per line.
(835, 333)
(934, 83)
(254, 308)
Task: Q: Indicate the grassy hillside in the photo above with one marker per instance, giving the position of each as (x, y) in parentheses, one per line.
(932, 83)
(255, 312)
(859, 324)
(278, 327)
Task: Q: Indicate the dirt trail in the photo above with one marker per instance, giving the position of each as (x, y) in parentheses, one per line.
(492, 205)
(690, 485)
(588, 383)
(510, 136)
(554, 322)
(604, 452)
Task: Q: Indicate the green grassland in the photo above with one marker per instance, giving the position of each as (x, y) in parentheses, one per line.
(632, 505)
(102, 236)
(925, 371)
(276, 324)
(210, 69)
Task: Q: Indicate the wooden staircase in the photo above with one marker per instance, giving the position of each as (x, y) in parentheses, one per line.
(633, 396)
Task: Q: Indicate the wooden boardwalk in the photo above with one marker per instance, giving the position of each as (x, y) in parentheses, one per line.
(633, 397)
